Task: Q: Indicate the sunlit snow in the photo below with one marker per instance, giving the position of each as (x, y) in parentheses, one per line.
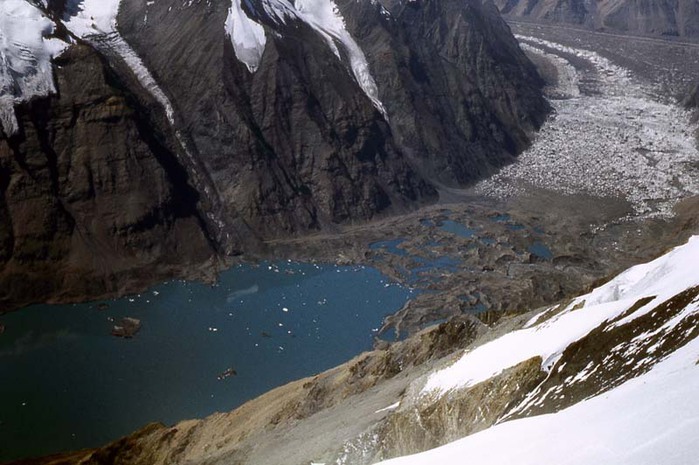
(662, 278)
(93, 17)
(247, 36)
(321, 15)
(648, 420)
(25, 57)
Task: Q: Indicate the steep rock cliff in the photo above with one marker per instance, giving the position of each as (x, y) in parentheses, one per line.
(91, 197)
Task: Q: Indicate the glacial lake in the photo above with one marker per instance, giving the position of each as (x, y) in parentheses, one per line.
(67, 383)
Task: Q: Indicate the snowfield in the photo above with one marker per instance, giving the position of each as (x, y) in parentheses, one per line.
(649, 419)
(94, 17)
(617, 139)
(247, 36)
(660, 280)
(25, 58)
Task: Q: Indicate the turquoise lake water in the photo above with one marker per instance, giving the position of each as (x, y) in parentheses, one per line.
(66, 383)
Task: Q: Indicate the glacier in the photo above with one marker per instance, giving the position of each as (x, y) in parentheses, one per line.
(26, 52)
(648, 420)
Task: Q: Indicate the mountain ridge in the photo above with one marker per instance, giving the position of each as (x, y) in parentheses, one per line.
(667, 18)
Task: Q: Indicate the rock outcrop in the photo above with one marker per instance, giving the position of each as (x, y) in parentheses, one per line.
(671, 18)
(92, 199)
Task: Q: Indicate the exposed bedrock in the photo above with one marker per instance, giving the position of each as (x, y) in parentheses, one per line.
(91, 197)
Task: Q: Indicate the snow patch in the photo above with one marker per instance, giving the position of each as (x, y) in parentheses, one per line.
(26, 52)
(247, 36)
(325, 18)
(91, 17)
(389, 408)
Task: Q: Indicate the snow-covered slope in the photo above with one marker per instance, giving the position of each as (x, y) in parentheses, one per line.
(656, 282)
(622, 373)
(25, 57)
(651, 419)
(93, 17)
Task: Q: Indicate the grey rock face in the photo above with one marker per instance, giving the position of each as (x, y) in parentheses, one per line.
(296, 146)
(91, 198)
(290, 153)
(679, 18)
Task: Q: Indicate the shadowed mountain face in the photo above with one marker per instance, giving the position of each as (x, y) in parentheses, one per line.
(163, 147)
(678, 18)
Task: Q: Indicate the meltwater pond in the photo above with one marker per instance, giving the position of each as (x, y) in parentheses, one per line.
(66, 383)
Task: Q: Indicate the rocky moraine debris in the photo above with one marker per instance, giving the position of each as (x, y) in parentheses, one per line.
(616, 138)
(126, 328)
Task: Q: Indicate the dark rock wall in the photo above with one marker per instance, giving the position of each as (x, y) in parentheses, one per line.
(90, 198)
(291, 148)
(461, 96)
(292, 152)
